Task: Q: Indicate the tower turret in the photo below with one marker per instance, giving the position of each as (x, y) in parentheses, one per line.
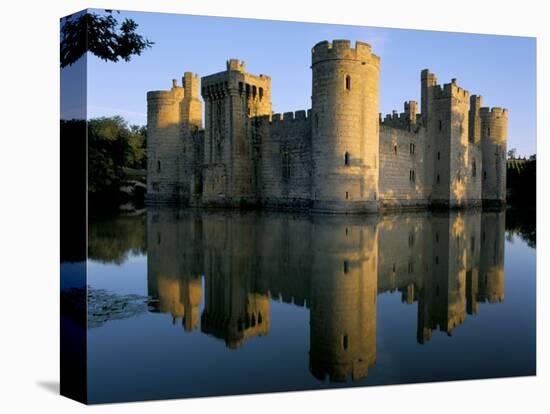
(232, 98)
(345, 126)
(173, 117)
(494, 129)
(474, 119)
(164, 145)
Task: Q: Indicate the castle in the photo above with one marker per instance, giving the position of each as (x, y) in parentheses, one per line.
(338, 156)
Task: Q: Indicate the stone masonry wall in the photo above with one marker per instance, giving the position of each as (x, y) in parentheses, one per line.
(285, 173)
(401, 182)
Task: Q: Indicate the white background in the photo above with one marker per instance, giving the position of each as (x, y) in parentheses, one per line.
(29, 206)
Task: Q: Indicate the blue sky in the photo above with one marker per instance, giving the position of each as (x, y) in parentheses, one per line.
(500, 68)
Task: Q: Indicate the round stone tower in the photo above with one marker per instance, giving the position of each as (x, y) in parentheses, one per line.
(494, 126)
(164, 144)
(345, 130)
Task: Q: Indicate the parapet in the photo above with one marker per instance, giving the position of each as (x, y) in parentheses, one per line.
(236, 64)
(190, 82)
(495, 112)
(404, 120)
(166, 97)
(341, 49)
(475, 102)
(428, 77)
(450, 90)
(286, 118)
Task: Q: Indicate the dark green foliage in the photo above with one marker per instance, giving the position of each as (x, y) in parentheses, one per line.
(138, 142)
(101, 35)
(108, 152)
(116, 157)
(521, 182)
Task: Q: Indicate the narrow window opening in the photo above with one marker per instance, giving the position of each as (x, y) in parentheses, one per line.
(438, 155)
(488, 132)
(437, 237)
(395, 149)
(347, 195)
(345, 342)
(438, 178)
(158, 166)
(346, 266)
(474, 169)
(484, 175)
(348, 83)
(436, 259)
(440, 125)
(261, 93)
(411, 148)
(346, 158)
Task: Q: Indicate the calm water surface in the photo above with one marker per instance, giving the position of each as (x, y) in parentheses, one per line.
(186, 303)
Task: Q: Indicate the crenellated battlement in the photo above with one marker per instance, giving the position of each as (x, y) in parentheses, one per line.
(403, 120)
(285, 118)
(341, 49)
(189, 89)
(476, 101)
(495, 112)
(175, 93)
(235, 80)
(450, 90)
(236, 65)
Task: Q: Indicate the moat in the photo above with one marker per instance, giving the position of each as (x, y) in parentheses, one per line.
(187, 303)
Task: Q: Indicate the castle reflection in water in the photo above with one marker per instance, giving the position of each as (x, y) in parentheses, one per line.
(334, 265)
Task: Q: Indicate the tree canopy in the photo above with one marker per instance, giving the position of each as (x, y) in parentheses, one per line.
(101, 35)
(112, 146)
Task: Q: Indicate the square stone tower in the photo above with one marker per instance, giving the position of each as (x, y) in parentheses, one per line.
(232, 98)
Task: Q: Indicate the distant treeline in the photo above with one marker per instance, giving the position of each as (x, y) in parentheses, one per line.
(117, 160)
(521, 182)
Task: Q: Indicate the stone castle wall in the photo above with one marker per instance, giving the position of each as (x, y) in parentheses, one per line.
(402, 154)
(286, 166)
(340, 156)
